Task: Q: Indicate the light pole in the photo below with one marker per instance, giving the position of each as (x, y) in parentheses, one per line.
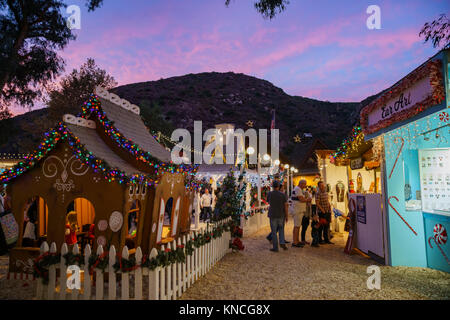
(286, 167)
(292, 178)
(266, 158)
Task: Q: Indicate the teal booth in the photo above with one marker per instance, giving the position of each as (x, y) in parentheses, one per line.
(412, 119)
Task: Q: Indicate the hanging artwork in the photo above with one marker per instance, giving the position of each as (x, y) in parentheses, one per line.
(340, 191)
(359, 183)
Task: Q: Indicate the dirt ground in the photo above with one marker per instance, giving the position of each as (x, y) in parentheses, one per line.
(311, 273)
(298, 273)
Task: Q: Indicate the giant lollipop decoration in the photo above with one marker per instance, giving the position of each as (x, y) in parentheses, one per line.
(398, 155)
(440, 237)
(390, 204)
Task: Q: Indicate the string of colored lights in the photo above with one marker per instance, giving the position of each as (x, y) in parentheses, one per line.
(347, 145)
(61, 133)
(93, 106)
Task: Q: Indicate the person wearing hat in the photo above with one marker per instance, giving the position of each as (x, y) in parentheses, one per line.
(278, 214)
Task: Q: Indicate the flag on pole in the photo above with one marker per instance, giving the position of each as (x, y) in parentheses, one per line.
(272, 123)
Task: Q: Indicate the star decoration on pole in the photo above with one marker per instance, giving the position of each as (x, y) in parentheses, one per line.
(250, 123)
(297, 139)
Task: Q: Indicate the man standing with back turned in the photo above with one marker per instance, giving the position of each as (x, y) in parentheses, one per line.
(324, 209)
(278, 214)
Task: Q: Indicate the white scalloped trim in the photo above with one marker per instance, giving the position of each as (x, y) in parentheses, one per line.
(114, 98)
(69, 118)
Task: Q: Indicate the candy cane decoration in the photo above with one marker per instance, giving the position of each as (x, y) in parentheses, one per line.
(389, 202)
(398, 155)
(439, 247)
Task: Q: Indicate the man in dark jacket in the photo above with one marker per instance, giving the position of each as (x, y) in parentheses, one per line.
(278, 214)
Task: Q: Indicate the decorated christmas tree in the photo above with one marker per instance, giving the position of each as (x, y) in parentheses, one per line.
(230, 204)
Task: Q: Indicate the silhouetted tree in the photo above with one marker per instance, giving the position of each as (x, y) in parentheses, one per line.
(437, 31)
(31, 33)
(268, 8)
(75, 88)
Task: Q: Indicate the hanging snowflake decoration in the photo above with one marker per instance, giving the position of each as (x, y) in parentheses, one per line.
(297, 139)
(250, 123)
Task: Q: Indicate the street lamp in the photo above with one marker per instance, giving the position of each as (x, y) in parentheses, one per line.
(292, 177)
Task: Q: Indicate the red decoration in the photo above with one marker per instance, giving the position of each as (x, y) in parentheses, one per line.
(432, 69)
(390, 204)
(439, 247)
(399, 152)
(443, 116)
(440, 234)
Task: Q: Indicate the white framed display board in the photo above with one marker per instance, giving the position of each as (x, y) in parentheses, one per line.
(434, 167)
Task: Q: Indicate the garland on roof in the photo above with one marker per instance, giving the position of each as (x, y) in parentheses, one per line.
(61, 133)
(432, 69)
(347, 143)
(93, 106)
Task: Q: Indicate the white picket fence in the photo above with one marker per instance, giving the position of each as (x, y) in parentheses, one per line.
(163, 283)
(256, 221)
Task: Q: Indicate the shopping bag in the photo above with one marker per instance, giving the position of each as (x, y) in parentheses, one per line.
(10, 227)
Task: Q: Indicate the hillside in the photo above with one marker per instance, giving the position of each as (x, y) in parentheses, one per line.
(213, 98)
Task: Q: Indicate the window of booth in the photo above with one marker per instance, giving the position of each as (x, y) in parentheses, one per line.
(168, 218)
(417, 165)
(35, 222)
(80, 228)
(133, 222)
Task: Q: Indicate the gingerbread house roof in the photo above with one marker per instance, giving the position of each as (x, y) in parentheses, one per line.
(94, 143)
(130, 124)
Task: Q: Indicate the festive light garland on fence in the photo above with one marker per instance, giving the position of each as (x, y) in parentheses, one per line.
(163, 258)
(93, 106)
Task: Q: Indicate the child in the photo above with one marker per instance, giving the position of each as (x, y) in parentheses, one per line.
(71, 228)
(315, 227)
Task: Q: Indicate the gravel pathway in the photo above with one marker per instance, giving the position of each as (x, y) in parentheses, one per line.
(298, 273)
(311, 273)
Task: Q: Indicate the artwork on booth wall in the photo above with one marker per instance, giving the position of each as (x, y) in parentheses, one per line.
(435, 180)
(361, 209)
(359, 183)
(340, 191)
(408, 193)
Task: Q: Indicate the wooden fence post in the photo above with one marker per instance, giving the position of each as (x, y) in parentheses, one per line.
(180, 280)
(138, 275)
(51, 275)
(87, 275)
(173, 266)
(183, 267)
(74, 295)
(153, 279)
(99, 277)
(40, 286)
(125, 281)
(162, 282)
(63, 273)
(112, 285)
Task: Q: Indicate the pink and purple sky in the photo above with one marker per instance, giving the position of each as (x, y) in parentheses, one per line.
(319, 49)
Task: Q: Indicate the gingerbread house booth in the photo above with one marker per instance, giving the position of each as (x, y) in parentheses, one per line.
(99, 178)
